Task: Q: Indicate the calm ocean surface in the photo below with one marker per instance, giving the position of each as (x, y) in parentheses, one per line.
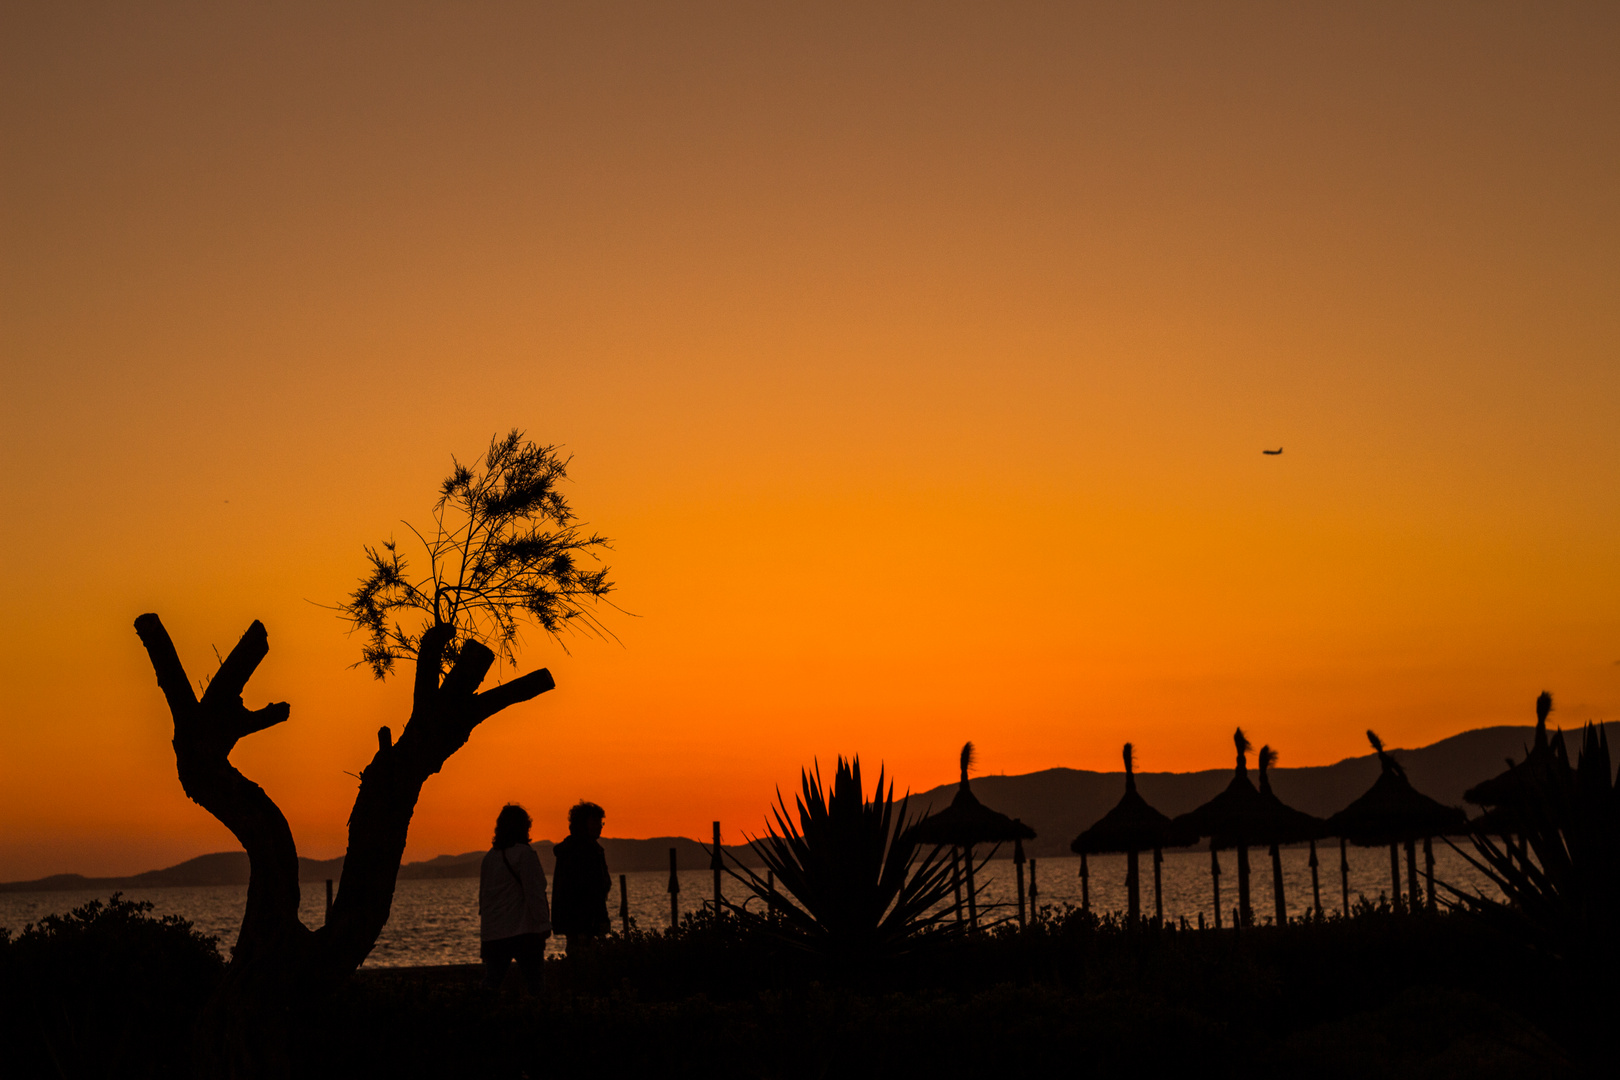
(436, 922)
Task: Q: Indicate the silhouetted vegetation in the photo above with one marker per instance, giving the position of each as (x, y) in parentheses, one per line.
(105, 990)
(851, 880)
(504, 548)
(486, 569)
(1561, 891)
(1376, 994)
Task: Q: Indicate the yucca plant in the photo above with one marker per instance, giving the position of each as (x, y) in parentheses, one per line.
(1566, 898)
(852, 882)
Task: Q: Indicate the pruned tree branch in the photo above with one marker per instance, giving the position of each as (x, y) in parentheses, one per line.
(205, 732)
(443, 716)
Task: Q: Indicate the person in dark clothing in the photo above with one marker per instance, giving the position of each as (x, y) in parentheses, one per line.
(580, 882)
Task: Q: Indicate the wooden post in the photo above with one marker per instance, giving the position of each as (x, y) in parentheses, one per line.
(328, 899)
(1200, 922)
(1085, 885)
(1344, 873)
(624, 906)
(674, 892)
(1133, 895)
(972, 891)
(1278, 899)
(1215, 879)
(1034, 889)
(956, 882)
(1428, 868)
(1018, 871)
(770, 883)
(1158, 886)
(1316, 884)
(1395, 876)
(717, 865)
(1245, 909)
(1413, 901)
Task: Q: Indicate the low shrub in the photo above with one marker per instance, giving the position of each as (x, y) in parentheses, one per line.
(105, 990)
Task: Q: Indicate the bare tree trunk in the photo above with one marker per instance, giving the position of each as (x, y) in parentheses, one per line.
(278, 961)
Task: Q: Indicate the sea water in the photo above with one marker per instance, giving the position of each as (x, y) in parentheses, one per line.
(436, 922)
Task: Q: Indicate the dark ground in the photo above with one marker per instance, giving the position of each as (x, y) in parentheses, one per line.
(1379, 994)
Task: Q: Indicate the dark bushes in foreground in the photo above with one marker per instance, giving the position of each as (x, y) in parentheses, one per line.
(105, 990)
(1379, 994)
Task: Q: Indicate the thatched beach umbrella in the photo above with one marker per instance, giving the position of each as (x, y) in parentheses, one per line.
(1235, 818)
(1132, 826)
(1504, 793)
(1507, 788)
(967, 822)
(1393, 812)
(1285, 826)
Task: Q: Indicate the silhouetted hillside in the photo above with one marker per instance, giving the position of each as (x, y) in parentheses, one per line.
(1057, 803)
(231, 867)
(1061, 803)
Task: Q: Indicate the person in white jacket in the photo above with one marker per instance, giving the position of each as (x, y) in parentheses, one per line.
(514, 918)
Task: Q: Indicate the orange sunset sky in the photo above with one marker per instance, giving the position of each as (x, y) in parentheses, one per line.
(916, 357)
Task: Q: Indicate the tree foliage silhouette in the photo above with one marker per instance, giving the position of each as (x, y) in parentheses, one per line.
(505, 548)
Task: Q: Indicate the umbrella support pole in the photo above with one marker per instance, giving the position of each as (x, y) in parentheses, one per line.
(1085, 885)
(1412, 894)
(1018, 868)
(956, 882)
(1215, 879)
(1133, 891)
(1278, 898)
(1316, 884)
(674, 892)
(1395, 877)
(1245, 911)
(1158, 887)
(1428, 869)
(972, 891)
(718, 865)
(1344, 873)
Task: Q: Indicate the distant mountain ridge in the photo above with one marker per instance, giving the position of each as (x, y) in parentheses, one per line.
(1057, 803)
(1061, 803)
(231, 867)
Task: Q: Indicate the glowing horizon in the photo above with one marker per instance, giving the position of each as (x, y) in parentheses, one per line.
(918, 363)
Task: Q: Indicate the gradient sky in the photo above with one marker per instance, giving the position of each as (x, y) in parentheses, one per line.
(917, 357)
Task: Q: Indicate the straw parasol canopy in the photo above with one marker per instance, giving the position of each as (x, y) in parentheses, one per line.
(967, 821)
(1284, 824)
(1505, 790)
(1238, 816)
(1392, 810)
(1235, 818)
(1132, 826)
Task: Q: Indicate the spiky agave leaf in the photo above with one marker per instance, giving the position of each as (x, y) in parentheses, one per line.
(1566, 897)
(852, 881)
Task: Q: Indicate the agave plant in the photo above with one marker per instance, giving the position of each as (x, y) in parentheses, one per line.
(853, 880)
(1566, 899)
